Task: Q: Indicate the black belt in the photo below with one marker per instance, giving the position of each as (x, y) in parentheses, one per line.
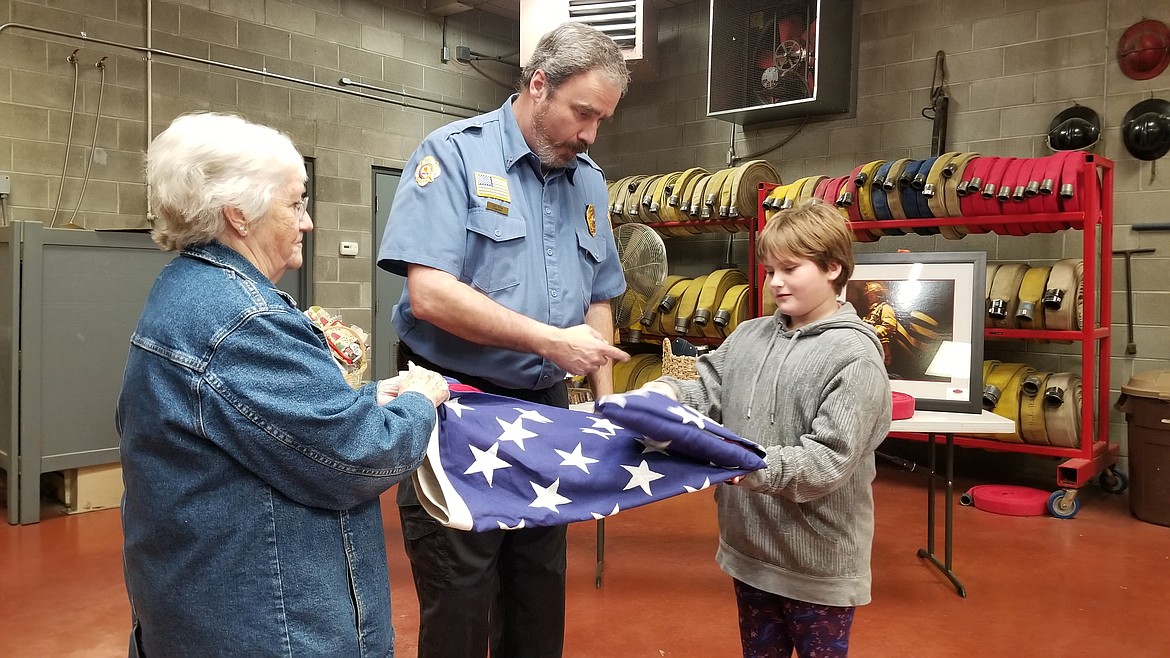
(551, 395)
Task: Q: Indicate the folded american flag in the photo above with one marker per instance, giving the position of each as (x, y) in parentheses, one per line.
(501, 463)
(685, 431)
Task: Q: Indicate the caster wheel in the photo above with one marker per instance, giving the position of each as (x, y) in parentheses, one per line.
(1063, 504)
(1113, 481)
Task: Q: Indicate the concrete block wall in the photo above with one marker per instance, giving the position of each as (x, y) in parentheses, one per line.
(1012, 65)
(391, 43)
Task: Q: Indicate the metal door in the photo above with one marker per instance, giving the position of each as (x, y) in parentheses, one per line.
(387, 287)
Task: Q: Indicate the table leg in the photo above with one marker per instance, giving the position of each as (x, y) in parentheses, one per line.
(600, 550)
(948, 513)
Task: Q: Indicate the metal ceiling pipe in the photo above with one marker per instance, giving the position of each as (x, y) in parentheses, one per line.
(441, 109)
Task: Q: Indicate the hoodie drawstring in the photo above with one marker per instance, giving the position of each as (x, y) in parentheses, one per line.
(760, 371)
(776, 380)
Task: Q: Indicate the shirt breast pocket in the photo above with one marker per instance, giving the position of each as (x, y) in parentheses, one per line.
(591, 254)
(592, 248)
(495, 250)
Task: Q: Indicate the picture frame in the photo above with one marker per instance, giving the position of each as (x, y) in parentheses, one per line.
(928, 310)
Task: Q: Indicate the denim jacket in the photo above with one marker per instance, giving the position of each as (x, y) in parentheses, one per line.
(251, 515)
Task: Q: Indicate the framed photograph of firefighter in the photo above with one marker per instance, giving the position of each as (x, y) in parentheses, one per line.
(927, 309)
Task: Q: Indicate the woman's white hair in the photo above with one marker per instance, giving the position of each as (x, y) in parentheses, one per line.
(206, 162)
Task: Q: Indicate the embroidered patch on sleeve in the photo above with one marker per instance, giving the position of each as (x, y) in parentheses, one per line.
(427, 171)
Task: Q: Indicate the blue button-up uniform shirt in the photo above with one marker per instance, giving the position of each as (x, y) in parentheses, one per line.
(473, 203)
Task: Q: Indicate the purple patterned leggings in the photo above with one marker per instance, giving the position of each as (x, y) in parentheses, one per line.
(771, 626)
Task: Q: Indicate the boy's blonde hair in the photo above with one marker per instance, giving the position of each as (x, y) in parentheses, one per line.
(812, 230)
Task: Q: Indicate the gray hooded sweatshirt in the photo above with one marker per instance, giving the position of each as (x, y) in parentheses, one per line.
(817, 399)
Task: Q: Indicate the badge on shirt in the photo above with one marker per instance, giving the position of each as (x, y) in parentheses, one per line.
(590, 219)
(427, 171)
(490, 186)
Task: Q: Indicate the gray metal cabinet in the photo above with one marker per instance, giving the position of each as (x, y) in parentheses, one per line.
(69, 301)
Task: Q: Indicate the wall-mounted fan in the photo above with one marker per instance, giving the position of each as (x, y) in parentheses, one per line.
(782, 53)
(771, 60)
(643, 258)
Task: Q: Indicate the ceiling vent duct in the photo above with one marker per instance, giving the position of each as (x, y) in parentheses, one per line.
(771, 60)
(630, 23)
(445, 7)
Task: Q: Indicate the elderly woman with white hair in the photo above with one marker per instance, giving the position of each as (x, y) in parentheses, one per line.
(251, 516)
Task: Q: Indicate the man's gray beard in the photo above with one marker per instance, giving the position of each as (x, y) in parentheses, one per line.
(549, 159)
(548, 154)
(545, 150)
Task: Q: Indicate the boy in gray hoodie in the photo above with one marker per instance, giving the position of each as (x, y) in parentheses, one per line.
(809, 385)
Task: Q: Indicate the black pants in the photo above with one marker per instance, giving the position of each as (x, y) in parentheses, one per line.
(502, 588)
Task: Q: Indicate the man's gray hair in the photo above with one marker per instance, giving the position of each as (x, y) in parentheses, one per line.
(574, 48)
(206, 162)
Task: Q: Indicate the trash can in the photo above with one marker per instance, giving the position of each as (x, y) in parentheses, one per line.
(1145, 400)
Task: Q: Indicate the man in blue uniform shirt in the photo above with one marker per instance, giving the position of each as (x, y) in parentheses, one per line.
(500, 226)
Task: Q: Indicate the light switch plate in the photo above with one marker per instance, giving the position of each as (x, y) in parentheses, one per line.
(349, 249)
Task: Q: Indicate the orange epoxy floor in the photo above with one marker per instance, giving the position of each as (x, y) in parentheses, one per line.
(1096, 585)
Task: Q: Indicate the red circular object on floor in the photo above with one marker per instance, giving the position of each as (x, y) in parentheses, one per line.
(1010, 500)
(903, 406)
